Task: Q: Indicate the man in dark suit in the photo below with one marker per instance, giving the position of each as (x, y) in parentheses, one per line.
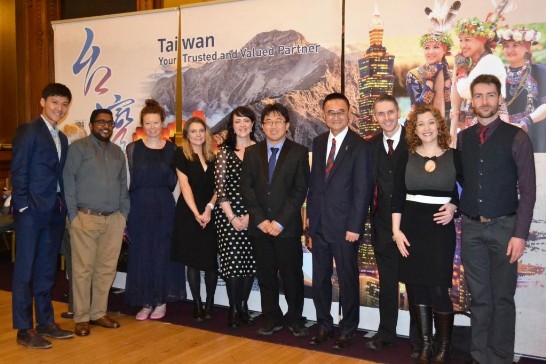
(39, 154)
(389, 146)
(340, 190)
(274, 181)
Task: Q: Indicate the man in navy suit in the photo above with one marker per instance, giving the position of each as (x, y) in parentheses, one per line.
(274, 181)
(39, 154)
(340, 191)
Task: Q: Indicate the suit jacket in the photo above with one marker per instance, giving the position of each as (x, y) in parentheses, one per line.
(382, 220)
(282, 199)
(36, 168)
(339, 202)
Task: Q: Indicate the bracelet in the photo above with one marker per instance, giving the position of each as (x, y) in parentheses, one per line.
(211, 206)
(230, 220)
(528, 121)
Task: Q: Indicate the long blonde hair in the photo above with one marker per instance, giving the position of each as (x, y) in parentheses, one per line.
(208, 150)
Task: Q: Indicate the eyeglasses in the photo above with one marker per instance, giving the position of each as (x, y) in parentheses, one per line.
(102, 122)
(333, 114)
(269, 123)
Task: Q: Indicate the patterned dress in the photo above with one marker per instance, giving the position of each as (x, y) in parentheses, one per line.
(235, 250)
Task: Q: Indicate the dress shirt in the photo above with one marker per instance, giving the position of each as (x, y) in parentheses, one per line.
(395, 138)
(339, 139)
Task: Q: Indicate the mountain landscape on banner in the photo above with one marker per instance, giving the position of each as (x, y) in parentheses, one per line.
(298, 81)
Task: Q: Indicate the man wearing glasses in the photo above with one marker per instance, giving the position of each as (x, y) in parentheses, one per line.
(274, 180)
(340, 191)
(97, 201)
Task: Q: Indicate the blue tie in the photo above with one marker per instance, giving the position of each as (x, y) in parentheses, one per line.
(272, 162)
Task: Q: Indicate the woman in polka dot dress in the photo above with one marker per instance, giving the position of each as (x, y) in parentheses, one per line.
(237, 265)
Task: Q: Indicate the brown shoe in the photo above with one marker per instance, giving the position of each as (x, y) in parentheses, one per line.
(31, 339)
(82, 328)
(105, 321)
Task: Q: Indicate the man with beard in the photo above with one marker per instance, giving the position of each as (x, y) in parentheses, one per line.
(498, 163)
(97, 201)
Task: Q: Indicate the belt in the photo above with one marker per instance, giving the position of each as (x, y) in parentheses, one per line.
(95, 213)
(434, 200)
(485, 220)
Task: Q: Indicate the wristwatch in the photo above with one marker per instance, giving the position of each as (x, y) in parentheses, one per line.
(211, 206)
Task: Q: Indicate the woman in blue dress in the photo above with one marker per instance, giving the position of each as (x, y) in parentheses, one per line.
(152, 278)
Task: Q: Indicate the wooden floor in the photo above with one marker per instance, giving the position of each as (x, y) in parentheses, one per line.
(149, 342)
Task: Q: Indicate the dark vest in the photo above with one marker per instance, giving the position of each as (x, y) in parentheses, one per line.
(490, 173)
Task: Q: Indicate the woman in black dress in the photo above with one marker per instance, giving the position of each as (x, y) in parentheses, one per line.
(152, 278)
(194, 237)
(424, 202)
(237, 265)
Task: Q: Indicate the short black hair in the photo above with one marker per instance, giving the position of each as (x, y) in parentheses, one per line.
(275, 108)
(100, 111)
(386, 97)
(56, 89)
(487, 79)
(336, 96)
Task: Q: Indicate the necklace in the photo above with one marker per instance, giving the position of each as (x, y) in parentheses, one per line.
(430, 164)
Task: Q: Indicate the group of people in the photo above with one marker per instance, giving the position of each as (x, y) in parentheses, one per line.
(239, 215)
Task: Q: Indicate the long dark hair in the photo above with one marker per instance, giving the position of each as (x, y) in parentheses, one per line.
(231, 139)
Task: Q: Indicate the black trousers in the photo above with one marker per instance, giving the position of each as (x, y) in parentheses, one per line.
(282, 256)
(345, 255)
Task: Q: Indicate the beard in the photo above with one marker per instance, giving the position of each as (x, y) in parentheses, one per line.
(101, 138)
(486, 114)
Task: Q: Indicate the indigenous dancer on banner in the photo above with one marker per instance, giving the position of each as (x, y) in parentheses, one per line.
(430, 84)
(477, 39)
(525, 84)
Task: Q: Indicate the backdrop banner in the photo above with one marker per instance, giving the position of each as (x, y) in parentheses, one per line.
(255, 52)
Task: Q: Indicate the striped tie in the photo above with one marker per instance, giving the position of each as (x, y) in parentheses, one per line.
(331, 155)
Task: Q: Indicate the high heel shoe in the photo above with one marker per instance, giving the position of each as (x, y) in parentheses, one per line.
(159, 312)
(244, 314)
(209, 305)
(198, 312)
(233, 318)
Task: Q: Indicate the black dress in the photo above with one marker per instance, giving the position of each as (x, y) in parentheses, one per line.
(192, 245)
(152, 278)
(432, 245)
(235, 250)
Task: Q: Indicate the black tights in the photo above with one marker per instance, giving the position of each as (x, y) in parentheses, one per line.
(238, 290)
(194, 280)
(435, 296)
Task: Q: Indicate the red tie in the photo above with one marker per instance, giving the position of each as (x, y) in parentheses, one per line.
(330, 160)
(483, 134)
(391, 149)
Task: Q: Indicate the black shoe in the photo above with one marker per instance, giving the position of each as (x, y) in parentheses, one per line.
(209, 305)
(344, 341)
(269, 328)
(378, 343)
(299, 330)
(31, 339)
(322, 336)
(67, 315)
(53, 330)
(233, 318)
(244, 314)
(198, 312)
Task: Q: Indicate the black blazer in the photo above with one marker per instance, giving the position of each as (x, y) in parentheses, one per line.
(36, 168)
(339, 202)
(282, 200)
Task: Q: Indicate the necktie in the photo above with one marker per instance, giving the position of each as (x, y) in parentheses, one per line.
(391, 149)
(330, 160)
(272, 162)
(483, 134)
